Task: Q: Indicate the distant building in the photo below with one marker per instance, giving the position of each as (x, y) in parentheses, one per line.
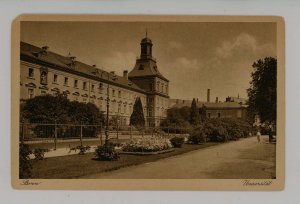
(45, 72)
(232, 108)
(239, 100)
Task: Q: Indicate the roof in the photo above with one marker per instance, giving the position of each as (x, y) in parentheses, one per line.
(33, 53)
(209, 105)
(146, 40)
(145, 68)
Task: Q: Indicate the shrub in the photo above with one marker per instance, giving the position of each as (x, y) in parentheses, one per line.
(24, 161)
(177, 141)
(197, 136)
(39, 153)
(106, 152)
(151, 144)
(82, 149)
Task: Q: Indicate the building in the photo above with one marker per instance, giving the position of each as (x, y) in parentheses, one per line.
(46, 72)
(217, 109)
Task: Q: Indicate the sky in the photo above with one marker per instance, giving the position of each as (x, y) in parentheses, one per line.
(193, 56)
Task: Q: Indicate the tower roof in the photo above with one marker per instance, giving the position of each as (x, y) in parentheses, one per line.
(146, 40)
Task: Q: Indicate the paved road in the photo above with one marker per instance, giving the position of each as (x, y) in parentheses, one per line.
(243, 159)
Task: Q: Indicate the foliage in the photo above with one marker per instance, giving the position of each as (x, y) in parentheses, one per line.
(39, 153)
(177, 141)
(48, 109)
(137, 118)
(194, 116)
(82, 149)
(262, 93)
(222, 130)
(106, 152)
(58, 109)
(24, 161)
(150, 144)
(198, 135)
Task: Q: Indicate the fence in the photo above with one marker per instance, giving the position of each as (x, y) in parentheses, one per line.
(37, 133)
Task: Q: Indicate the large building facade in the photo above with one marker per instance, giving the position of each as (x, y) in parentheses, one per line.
(44, 72)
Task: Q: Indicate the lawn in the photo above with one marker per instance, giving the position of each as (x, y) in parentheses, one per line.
(76, 166)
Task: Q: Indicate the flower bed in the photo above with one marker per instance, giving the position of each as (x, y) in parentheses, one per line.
(151, 144)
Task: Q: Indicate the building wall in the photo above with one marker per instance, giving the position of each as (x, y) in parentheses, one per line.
(236, 113)
(121, 99)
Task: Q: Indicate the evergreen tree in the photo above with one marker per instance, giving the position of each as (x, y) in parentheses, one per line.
(194, 117)
(137, 118)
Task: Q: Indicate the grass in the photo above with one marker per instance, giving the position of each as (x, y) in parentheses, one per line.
(76, 166)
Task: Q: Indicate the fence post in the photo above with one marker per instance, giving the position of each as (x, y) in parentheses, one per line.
(55, 135)
(117, 130)
(101, 134)
(130, 133)
(23, 133)
(81, 134)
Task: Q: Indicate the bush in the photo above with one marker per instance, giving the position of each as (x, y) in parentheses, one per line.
(197, 136)
(147, 145)
(222, 130)
(24, 161)
(39, 153)
(82, 149)
(177, 141)
(106, 152)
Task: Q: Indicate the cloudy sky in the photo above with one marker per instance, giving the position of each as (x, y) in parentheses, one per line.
(193, 56)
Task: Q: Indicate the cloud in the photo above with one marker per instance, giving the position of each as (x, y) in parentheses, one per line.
(118, 62)
(244, 45)
(175, 45)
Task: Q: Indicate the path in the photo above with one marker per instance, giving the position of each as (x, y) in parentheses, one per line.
(234, 160)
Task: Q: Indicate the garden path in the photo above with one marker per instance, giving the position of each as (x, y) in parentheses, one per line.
(241, 159)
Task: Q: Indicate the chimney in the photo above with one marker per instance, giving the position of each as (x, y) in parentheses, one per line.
(45, 48)
(197, 100)
(94, 66)
(125, 74)
(217, 100)
(208, 95)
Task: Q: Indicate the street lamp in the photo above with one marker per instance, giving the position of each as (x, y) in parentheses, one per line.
(107, 110)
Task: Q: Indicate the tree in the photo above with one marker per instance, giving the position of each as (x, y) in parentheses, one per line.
(137, 118)
(194, 117)
(262, 93)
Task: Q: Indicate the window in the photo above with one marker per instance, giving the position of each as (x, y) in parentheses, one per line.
(30, 93)
(76, 83)
(113, 93)
(43, 92)
(119, 94)
(100, 87)
(125, 109)
(55, 78)
(30, 73)
(157, 86)
(119, 108)
(162, 87)
(219, 115)
(93, 87)
(66, 81)
(208, 115)
(141, 67)
(151, 86)
(84, 86)
(43, 77)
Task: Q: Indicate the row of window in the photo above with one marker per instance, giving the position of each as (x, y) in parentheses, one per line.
(66, 82)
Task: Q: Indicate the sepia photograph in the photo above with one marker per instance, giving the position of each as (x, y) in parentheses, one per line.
(148, 102)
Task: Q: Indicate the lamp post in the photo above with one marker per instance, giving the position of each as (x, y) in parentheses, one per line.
(107, 114)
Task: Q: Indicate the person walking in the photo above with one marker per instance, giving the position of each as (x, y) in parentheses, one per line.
(258, 135)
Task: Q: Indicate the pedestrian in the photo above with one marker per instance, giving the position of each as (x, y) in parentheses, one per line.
(258, 135)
